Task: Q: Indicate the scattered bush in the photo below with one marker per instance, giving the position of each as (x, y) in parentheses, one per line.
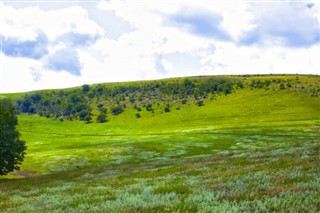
(200, 103)
(102, 117)
(167, 108)
(116, 110)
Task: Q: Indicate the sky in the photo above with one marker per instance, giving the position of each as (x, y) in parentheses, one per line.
(58, 44)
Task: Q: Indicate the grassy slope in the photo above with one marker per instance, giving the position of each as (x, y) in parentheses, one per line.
(251, 150)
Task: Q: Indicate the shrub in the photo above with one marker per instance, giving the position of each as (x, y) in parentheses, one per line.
(116, 110)
(102, 117)
(167, 108)
(200, 103)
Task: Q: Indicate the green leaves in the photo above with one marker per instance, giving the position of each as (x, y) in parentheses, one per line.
(102, 117)
(12, 150)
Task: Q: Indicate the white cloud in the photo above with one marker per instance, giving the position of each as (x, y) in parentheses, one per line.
(120, 60)
(23, 74)
(232, 59)
(24, 23)
(282, 24)
(16, 74)
(166, 64)
(145, 45)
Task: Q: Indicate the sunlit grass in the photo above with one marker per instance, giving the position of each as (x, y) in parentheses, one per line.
(250, 151)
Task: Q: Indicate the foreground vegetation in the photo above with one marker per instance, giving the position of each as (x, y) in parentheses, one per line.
(254, 150)
(12, 149)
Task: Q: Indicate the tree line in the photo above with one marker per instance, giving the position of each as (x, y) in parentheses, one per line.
(88, 101)
(83, 102)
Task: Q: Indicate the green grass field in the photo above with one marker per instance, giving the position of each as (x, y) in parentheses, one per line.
(251, 151)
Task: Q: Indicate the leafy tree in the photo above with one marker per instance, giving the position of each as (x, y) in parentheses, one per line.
(184, 101)
(138, 115)
(78, 107)
(85, 88)
(101, 118)
(91, 94)
(12, 149)
(200, 103)
(46, 102)
(100, 105)
(116, 110)
(240, 84)
(26, 103)
(83, 115)
(88, 118)
(99, 90)
(67, 109)
(167, 108)
(132, 99)
(137, 108)
(102, 108)
(75, 97)
(149, 107)
(282, 86)
(36, 98)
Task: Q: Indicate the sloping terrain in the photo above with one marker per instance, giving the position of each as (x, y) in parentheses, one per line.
(197, 144)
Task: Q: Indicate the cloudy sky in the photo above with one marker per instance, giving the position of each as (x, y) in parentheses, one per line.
(56, 44)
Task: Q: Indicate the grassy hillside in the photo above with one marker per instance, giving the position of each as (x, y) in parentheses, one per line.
(100, 102)
(255, 148)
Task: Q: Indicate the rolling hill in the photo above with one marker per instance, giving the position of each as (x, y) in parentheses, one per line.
(196, 144)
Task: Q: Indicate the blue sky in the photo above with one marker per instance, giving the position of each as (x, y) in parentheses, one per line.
(62, 44)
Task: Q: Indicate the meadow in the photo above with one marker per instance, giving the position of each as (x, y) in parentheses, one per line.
(254, 150)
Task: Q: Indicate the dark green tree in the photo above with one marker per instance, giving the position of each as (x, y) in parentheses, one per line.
(167, 108)
(83, 114)
(102, 117)
(12, 149)
(200, 103)
(116, 110)
(85, 88)
(91, 94)
(88, 118)
(138, 115)
(149, 107)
